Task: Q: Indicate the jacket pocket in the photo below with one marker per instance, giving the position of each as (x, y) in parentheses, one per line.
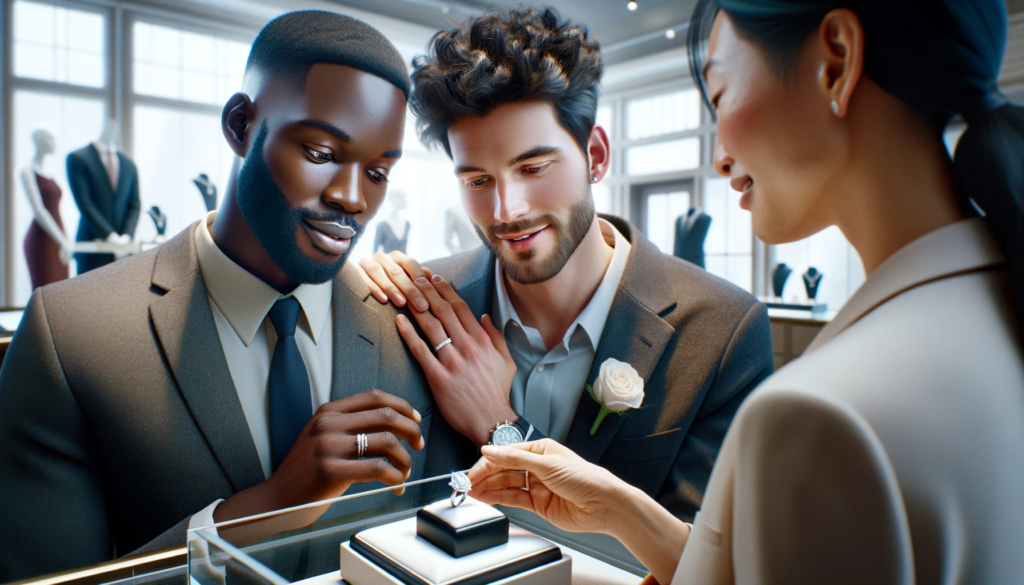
(643, 462)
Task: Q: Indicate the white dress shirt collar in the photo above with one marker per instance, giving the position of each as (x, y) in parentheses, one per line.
(244, 299)
(595, 314)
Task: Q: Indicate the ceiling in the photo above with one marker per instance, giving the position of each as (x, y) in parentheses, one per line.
(623, 34)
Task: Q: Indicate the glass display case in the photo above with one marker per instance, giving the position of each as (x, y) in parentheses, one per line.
(302, 544)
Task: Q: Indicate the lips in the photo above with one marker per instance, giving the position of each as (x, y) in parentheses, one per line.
(522, 240)
(329, 237)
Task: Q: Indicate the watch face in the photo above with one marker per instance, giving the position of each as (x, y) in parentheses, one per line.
(506, 435)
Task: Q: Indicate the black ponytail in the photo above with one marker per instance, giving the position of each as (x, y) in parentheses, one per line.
(942, 58)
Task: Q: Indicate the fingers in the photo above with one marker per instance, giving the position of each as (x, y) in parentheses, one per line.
(400, 271)
(372, 411)
(420, 350)
(448, 323)
(385, 420)
(459, 306)
(503, 480)
(363, 470)
(381, 286)
(514, 498)
(371, 400)
(519, 457)
(388, 446)
(497, 337)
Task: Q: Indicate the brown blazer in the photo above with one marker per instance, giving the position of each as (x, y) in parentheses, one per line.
(119, 418)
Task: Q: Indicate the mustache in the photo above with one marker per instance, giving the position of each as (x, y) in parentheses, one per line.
(338, 217)
(520, 225)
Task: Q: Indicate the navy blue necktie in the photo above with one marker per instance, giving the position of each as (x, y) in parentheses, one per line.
(290, 401)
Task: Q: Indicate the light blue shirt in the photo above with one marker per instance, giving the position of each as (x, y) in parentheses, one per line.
(548, 384)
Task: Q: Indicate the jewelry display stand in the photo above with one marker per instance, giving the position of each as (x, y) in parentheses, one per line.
(413, 551)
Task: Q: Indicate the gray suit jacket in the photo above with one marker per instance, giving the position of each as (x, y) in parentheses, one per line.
(119, 418)
(700, 344)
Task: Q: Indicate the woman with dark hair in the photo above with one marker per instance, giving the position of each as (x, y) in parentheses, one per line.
(893, 450)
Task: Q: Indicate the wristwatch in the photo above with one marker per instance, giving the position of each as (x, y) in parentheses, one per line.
(508, 433)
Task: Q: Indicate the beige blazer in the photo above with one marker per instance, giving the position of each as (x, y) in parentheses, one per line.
(893, 452)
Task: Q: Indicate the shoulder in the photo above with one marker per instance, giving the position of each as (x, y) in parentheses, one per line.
(465, 269)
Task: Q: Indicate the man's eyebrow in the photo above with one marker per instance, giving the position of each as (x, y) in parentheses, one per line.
(328, 128)
(704, 71)
(468, 169)
(393, 153)
(533, 153)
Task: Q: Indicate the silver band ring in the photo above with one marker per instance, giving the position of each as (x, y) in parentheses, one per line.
(526, 475)
(362, 444)
(442, 344)
(461, 498)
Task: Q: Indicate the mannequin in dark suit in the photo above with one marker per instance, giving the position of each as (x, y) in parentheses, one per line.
(691, 229)
(105, 209)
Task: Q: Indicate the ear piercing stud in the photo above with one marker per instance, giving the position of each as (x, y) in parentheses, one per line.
(835, 107)
(593, 179)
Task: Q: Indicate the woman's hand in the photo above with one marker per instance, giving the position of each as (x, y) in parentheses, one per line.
(564, 489)
(578, 496)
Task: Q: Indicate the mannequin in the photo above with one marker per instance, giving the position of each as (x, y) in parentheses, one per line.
(458, 233)
(779, 277)
(160, 221)
(812, 279)
(691, 229)
(208, 190)
(105, 184)
(387, 239)
(47, 247)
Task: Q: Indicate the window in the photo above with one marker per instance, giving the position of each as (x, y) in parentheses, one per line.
(182, 65)
(663, 157)
(728, 248)
(58, 44)
(836, 260)
(173, 143)
(664, 114)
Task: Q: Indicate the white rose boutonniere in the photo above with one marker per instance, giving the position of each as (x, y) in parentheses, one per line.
(618, 388)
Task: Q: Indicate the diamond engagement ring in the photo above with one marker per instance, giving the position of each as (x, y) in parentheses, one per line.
(442, 344)
(362, 444)
(460, 487)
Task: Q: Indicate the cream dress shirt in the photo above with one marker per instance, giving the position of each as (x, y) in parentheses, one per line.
(548, 384)
(108, 156)
(240, 302)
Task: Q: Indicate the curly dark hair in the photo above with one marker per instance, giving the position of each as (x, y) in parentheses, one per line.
(494, 60)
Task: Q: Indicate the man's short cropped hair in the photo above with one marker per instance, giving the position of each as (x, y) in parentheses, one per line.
(292, 43)
(494, 60)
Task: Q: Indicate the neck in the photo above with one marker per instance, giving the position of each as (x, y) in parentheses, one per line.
(234, 237)
(551, 306)
(37, 160)
(900, 189)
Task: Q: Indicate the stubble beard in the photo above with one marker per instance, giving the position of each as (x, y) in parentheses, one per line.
(525, 267)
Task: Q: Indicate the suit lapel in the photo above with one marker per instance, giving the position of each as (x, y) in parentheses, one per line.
(634, 333)
(357, 337)
(124, 180)
(184, 326)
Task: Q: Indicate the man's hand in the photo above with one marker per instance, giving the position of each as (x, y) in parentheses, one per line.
(471, 376)
(390, 277)
(323, 463)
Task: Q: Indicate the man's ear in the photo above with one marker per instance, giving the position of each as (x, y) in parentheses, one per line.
(239, 113)
(842, 43)
(599, 153)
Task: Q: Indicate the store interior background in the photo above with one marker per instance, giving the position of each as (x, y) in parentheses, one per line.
(163, 69)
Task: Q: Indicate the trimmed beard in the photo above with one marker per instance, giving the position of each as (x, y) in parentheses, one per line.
(264, 207)
(569, 233)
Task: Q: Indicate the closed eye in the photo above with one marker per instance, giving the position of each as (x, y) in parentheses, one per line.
(536, 169)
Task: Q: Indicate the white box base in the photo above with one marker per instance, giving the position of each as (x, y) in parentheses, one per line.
(435, 567)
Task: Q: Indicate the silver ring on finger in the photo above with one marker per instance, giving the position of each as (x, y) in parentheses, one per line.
(362, 444)
(526, 476)
(442, 344)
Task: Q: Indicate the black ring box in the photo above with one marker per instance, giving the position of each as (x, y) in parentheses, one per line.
(459, 541)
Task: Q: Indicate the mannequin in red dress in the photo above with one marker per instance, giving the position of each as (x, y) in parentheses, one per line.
(47, 247)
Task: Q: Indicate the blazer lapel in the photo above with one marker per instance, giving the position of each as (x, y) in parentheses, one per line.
(94, 160)
(634, 333)
(183, 323)
(357, 337)
(124, 184)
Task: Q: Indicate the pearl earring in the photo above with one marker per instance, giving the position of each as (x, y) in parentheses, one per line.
(835, 107)
(593, 179)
